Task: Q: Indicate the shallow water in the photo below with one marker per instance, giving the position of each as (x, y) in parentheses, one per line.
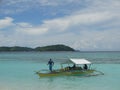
(17, 71)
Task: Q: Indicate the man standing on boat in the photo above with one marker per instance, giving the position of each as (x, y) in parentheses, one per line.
(50, 63)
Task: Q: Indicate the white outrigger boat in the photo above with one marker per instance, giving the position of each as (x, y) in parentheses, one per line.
(76, 70)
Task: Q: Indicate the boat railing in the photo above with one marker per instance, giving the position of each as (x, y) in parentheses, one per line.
(68, 68)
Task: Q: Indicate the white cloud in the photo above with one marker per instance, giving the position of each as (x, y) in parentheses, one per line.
(22, 28)
(76, 20)
(26, 28)
(7, 21)
(59, 24)
(32, 30)
(62, 24)
(98, 40)
(24, 25)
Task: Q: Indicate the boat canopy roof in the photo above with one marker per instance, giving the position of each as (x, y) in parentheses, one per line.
(80, 61)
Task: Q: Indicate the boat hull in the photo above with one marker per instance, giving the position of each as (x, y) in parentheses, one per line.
(65, 73)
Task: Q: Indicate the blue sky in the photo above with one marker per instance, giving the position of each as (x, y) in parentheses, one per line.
(81, 24)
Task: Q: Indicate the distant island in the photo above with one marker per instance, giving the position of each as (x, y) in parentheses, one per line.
(58, 47)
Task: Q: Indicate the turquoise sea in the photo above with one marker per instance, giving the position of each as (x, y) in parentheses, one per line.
(17, 71)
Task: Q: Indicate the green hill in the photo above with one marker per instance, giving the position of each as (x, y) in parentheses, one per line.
(44, 48)
(15, 48)
(54, 48)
